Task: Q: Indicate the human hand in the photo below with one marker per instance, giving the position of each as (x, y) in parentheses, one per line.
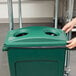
(71, 43)
(69, 26)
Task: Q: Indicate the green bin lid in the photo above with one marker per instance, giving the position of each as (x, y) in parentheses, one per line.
(35, 36)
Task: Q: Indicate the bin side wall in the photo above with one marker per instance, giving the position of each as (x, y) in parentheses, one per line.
(36, 62)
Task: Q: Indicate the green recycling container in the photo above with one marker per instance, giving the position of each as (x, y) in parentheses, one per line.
(36, 51)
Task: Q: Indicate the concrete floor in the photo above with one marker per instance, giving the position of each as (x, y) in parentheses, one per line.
(4, 69)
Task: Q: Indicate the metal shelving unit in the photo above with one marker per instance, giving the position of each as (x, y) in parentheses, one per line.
(69, 17)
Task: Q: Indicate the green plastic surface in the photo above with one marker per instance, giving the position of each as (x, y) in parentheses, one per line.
(24, 60)
(35, 36)
(36, 61)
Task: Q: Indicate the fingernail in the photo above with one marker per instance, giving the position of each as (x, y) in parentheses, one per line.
(67, 41)
(66, 32)
(70, 48)
(66, 45)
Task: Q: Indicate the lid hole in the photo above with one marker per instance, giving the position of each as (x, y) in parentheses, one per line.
(21, 34)
(52, 34)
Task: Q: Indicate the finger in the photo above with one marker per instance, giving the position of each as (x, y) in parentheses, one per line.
(69, 29)
(69, 45)
(64, 28)
(69, 41)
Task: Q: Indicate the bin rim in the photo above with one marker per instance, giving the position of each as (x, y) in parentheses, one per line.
(36, 37)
